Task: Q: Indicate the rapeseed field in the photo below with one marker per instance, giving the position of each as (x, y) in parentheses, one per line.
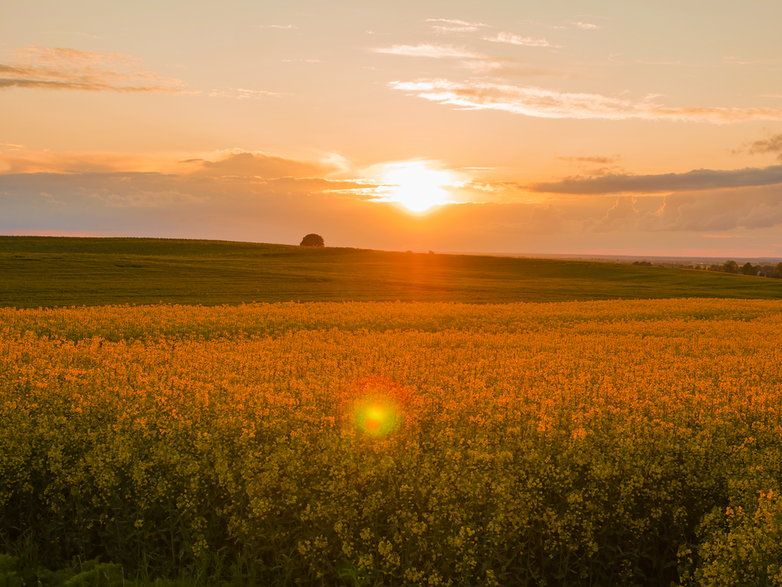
(579, 443)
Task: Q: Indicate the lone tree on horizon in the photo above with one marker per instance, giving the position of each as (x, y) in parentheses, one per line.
(312, 240)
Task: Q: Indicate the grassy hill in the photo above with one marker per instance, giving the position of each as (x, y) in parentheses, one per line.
(59, 271)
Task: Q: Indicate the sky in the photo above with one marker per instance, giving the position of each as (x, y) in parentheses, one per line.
(558, 127)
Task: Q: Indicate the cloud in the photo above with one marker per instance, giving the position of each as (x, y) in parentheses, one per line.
(242, 94)
(772, 144)
(430, 51)
(586, 26)
(18, 159)
(546, 103)
(261, 165)
(511, 39)
(698, 179)
(57, 68)
(597, 160)
(190, 204)
(154, 190)
(749, 208)
(228, 164)
(6, 83)
(451, 25)
(733, 60)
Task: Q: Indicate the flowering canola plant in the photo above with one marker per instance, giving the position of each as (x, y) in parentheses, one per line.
(630, 442)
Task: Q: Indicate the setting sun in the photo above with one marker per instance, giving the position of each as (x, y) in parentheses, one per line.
(416, 186)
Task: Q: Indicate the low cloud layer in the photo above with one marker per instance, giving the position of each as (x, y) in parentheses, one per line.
(267, 198)
(547, 103)
(698, 179)
(260, 165)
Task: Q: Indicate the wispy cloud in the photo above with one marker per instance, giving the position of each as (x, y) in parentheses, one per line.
(546, 103)
(596, 160)
(698, 179)
(586, 26)
(430, 51)
(246, 164)
(734, 60)
(772, 144)
(58, 68)
(225, 163)
(301, 60)
(576, 24)
(278, 26)
(512, 39)
(477, 63)
(242, 94)
(452, 25)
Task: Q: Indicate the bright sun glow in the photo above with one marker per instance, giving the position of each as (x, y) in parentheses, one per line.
(416, 186)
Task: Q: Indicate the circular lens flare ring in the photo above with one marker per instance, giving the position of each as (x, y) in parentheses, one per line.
(377, 416)
(377, 408)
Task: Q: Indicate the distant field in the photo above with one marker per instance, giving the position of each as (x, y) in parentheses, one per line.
(55, 271)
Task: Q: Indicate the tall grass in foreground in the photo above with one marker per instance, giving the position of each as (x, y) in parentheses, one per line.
(635, 442)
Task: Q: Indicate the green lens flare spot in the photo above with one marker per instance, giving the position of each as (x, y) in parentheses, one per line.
(377, 417)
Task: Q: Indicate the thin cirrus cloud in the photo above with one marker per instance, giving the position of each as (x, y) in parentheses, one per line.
(546, 103)
(594, 159)
(452, 25)
(58, 68)
(585, 26)
(512, 39)
(695, 180)
(242, 94)
(430, 51)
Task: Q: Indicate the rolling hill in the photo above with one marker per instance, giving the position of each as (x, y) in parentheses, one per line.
(65, 271)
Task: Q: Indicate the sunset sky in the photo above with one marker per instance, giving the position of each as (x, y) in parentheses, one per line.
(599, 127)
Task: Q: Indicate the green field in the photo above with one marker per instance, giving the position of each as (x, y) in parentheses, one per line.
(59, 271)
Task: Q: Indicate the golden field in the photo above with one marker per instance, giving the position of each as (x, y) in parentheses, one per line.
(586, 443)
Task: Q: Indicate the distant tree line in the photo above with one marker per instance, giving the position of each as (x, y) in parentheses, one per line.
(761, 270)
(749, 269)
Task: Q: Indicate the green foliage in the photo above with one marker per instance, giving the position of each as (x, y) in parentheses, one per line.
(312, 240)
(13, 573)
(743, 547)
(60, 271)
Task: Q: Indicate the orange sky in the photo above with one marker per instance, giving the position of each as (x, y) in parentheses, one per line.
(527, 127)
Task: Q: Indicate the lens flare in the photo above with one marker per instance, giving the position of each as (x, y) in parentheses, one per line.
(377, 416)
(377, 408)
